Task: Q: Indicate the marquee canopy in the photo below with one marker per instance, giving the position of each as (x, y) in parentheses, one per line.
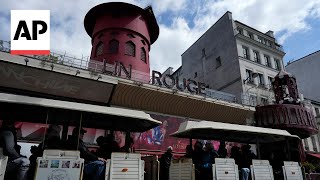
(20, 108)
(230, 132)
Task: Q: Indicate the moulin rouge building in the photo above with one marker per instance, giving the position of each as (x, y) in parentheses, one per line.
(118, 75)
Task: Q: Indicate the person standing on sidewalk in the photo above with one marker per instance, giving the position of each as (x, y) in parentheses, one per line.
(165, 162)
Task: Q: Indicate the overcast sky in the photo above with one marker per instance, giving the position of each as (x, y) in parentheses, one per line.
(296, 24)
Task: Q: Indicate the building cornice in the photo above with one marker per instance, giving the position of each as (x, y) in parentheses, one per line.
(255, 30)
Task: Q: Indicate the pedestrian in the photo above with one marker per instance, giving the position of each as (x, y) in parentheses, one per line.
(245, 161)
(189, 152)
(165, 162)
(197, 157)
(222, 151)
(94, 166)
(208, 159)
(17, 165)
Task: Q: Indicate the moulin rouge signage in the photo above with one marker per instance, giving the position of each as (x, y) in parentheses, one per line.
(171, 82)
(163, 80)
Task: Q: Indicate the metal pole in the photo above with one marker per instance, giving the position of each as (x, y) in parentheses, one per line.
(65, 130)
(127, 143)
(288, 149)
(258, 148)
(79, 130)
(45, 130)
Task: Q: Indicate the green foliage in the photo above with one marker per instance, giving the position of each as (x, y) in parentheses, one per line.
(308, 166)
(317, 168)
(53, 58)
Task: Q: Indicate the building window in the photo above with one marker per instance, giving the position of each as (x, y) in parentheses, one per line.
(270, 79)
(267, 60)
(195, 74)
(130, 49)
(263, 101)
(253, 100)
(249, 75)
(240, 30)
(268, 43)
(256, 56)
(260, 79)
(277, 64)
(99, 49)
(260, 39)
(314, 144)
(143, 55)
(203, 52)
(113, 46)
(218, 62)
(250, 35)
(317, 112)
(130, 36)
(245, 52)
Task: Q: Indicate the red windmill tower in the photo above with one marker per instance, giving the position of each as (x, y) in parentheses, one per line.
(122, 33)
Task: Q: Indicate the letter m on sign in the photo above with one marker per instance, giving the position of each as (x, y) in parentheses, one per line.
(30, 32)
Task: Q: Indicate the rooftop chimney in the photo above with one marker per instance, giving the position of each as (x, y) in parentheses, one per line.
(270, 33)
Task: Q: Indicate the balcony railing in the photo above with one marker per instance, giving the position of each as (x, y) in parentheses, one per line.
(98, 67)
(220, 95)
(254, 100)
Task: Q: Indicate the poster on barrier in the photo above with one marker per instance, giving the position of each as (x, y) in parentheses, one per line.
(62, 169)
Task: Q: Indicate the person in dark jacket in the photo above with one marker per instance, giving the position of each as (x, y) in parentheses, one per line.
(52, 140)
(189, 152)
(94, 166)
(165, 162)
(17, 165)
(102, 151)
(33, 161)
(197, 158)
(208, 159)
(128, 147)
(222, 151)
(245, 161)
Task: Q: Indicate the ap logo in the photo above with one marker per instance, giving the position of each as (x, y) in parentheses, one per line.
(30, 32)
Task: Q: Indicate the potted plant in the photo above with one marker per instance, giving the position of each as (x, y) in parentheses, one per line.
(309, 168)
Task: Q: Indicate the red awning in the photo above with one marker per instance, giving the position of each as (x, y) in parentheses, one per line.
(314, 155)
